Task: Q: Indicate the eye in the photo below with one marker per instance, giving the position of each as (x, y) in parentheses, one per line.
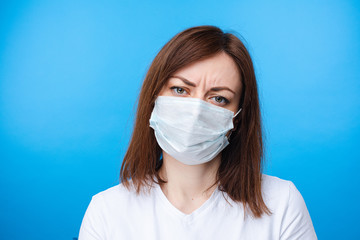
(178, 90)
(220, 100)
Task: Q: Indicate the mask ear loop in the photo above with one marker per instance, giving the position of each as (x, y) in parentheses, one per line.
(228, 137)
(237, 113)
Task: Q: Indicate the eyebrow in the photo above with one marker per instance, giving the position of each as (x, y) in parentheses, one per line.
(187, 82)
(215, 89)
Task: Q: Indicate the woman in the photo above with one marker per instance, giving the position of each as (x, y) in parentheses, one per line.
(193, 169)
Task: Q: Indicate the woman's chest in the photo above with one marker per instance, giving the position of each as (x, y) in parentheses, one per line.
(157, 222)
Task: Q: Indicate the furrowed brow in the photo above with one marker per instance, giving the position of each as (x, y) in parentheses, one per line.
(187, 82)
(216, 89)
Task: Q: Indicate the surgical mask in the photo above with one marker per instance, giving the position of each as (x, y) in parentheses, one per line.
(190, 130)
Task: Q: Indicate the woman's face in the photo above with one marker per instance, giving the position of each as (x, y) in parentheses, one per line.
(215, 80)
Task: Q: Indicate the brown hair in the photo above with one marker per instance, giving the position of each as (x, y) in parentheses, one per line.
(239, 173)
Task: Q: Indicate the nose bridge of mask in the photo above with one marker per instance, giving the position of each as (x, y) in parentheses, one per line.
(193, 114)
(214, 117)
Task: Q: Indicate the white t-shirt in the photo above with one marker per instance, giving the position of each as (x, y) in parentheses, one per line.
(117, 214)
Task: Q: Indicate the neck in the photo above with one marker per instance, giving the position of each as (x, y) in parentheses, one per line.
(185, 182)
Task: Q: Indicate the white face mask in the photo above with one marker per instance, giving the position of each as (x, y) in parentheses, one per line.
(190, 130)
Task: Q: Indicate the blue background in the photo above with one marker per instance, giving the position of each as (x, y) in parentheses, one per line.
(70, 73)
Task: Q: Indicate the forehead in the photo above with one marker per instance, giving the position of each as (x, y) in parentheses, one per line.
(219, 69)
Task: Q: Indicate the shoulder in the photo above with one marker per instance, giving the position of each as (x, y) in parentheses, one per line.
(111, 208)
(275, 191)
(270, 182)
(117, 195)
(115, 192)
(106, 200)
(275, 188)
(288, 208)
(280, 193)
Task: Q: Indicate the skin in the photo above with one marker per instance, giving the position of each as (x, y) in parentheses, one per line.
(217, 81)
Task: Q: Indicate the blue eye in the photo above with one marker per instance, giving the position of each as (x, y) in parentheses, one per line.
(221, 100)
(178, 90)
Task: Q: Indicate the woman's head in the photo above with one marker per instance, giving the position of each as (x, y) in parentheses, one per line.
(203, 62)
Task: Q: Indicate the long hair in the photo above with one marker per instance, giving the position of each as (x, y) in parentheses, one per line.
(239, 173)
